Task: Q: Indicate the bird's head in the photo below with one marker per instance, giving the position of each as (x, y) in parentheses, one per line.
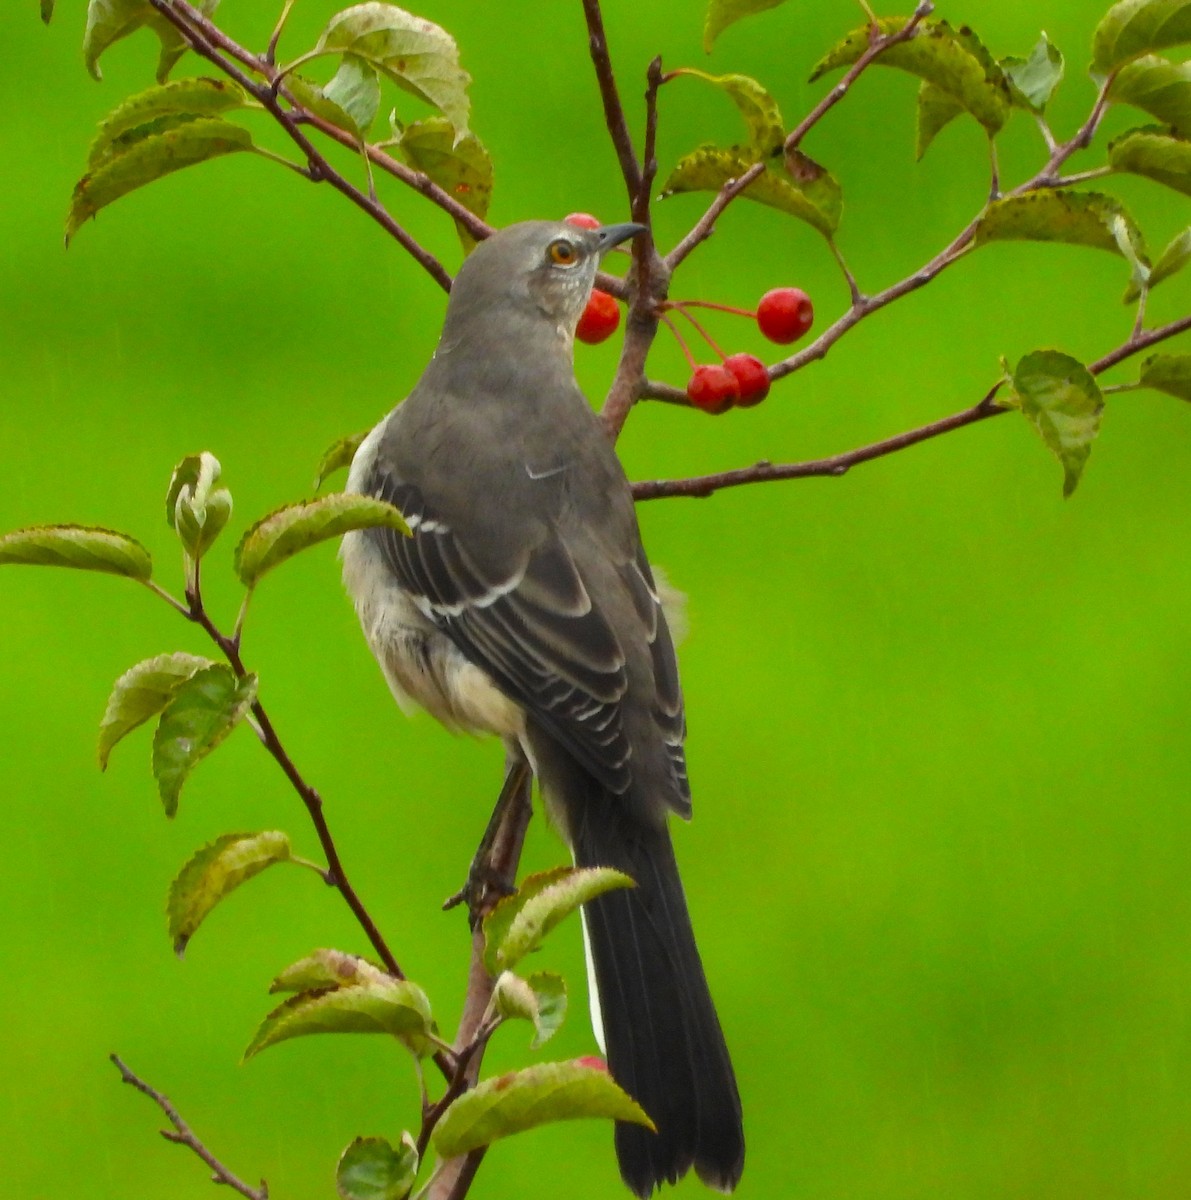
(538, 270)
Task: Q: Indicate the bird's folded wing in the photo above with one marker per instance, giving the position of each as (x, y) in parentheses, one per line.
(526, 618)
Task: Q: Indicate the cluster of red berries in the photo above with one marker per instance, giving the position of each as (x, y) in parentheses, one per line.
(739, 380)
(783, 315)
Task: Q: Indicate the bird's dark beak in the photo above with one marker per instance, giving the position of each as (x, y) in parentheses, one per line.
(613, 235)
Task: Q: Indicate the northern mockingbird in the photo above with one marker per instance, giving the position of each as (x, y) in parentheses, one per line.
(523, 605)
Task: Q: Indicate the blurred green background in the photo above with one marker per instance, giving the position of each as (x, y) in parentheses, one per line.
(939, 866)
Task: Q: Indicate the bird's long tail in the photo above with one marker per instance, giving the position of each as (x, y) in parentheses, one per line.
(661, 1033)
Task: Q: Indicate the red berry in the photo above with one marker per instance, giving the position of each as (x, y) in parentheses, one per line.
(583, 220)
(752, 376)
(713, 388)
(600, 318)
(593, 1061)
(785, 314)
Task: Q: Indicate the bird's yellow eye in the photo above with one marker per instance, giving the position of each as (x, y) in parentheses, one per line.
(563, 252)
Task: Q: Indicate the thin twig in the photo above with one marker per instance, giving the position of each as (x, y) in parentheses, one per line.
(614, 117)
(705, 226)
(835, 466)
(839, 464)
(876, 48)
(183, 1135)
(457, 1174)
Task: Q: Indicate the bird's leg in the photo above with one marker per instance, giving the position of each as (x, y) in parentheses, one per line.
(491, 875)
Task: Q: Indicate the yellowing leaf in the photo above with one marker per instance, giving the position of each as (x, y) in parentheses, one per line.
(1032, 80)
(416, 54)
(110, 20)
(1062, 400)
(142, 692)
(1077, 218)
(195, 508)
(392, 1006)
(954, 61)
(1158, 87)
(1153, 154)
(327, 968)
(282, 534)
(213, 873)
(519, 922)
(200, 713)
(461, 166)
(936, 110)
(185, 98)
(1169, 373)
(83, 547)
(370, 1169)
(179, 142)
(819, 202)
(338, 455)
(766, 132)
(528, 1098)
(1135, 27)
(1170, 262)
(722, 13)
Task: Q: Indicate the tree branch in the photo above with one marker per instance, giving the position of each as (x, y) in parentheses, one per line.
(183, 1135)
(705, 226)
(839, 464)
(614, 116)
(206, 40)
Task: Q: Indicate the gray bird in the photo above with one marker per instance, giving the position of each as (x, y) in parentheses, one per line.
(523, 605)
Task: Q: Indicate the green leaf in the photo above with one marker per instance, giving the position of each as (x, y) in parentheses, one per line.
(391, 1006)
(312, 98)
(108, 21)
(370, 1169)
(215, 871)
(1169, 373)
(722, 13)
(460, 166)
(179, 141)
(328, 968)
(416, 54)
(142, 692)
(766, 132)
(202, 711)
(936, 110)
(819, 203)
(338, 455)
(1153, 154)
(195, 508)
(1135, 27)
(355, 89)
(83, 547)
(517, 925)
(528, 1098)
(284, 533)
(1032, 81)
(185, 98)
(954, 61)
(1076, 218)
(1170, 262)
(1158, 87)
(1062, 400)
(550, 992)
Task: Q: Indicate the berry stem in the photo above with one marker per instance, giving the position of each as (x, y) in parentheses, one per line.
(686, 350)
(728, 308)
(680, 306)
